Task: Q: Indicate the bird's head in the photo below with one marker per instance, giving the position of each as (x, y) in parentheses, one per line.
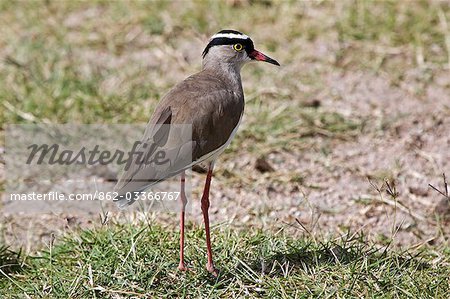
(233, 47)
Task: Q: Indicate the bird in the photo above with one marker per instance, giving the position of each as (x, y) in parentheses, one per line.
(212, 103)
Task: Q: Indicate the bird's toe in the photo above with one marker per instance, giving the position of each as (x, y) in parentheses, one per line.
(182, 267)
(213, 270)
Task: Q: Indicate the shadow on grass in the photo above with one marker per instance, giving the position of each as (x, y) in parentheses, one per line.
(307, 257)
(10, 261)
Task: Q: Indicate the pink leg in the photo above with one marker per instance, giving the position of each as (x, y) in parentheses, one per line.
(182, 266)
(205, 207)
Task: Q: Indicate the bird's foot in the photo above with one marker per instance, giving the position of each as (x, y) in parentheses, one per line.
(183, 268)
(211, 269)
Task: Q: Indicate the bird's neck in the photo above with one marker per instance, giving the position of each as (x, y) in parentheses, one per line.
(231, 72)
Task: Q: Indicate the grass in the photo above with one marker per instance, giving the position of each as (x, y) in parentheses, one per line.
(111, 61)
(61, 62)
(140, 261)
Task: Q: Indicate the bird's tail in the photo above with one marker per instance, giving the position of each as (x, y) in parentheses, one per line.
(122, 201)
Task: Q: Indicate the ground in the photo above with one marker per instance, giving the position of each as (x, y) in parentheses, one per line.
(346, 135)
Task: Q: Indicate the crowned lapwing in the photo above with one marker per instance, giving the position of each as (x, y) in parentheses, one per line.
(212, 102)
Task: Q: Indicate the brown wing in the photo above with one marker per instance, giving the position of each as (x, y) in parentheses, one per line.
(190, 122)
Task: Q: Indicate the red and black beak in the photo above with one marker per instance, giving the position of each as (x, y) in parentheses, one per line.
(256, 55)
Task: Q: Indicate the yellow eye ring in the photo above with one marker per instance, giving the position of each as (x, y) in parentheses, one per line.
(238, 47)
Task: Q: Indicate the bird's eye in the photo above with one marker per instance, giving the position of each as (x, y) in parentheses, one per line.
(238, 47)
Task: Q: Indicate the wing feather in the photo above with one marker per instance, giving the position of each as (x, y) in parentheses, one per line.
(210, 118)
